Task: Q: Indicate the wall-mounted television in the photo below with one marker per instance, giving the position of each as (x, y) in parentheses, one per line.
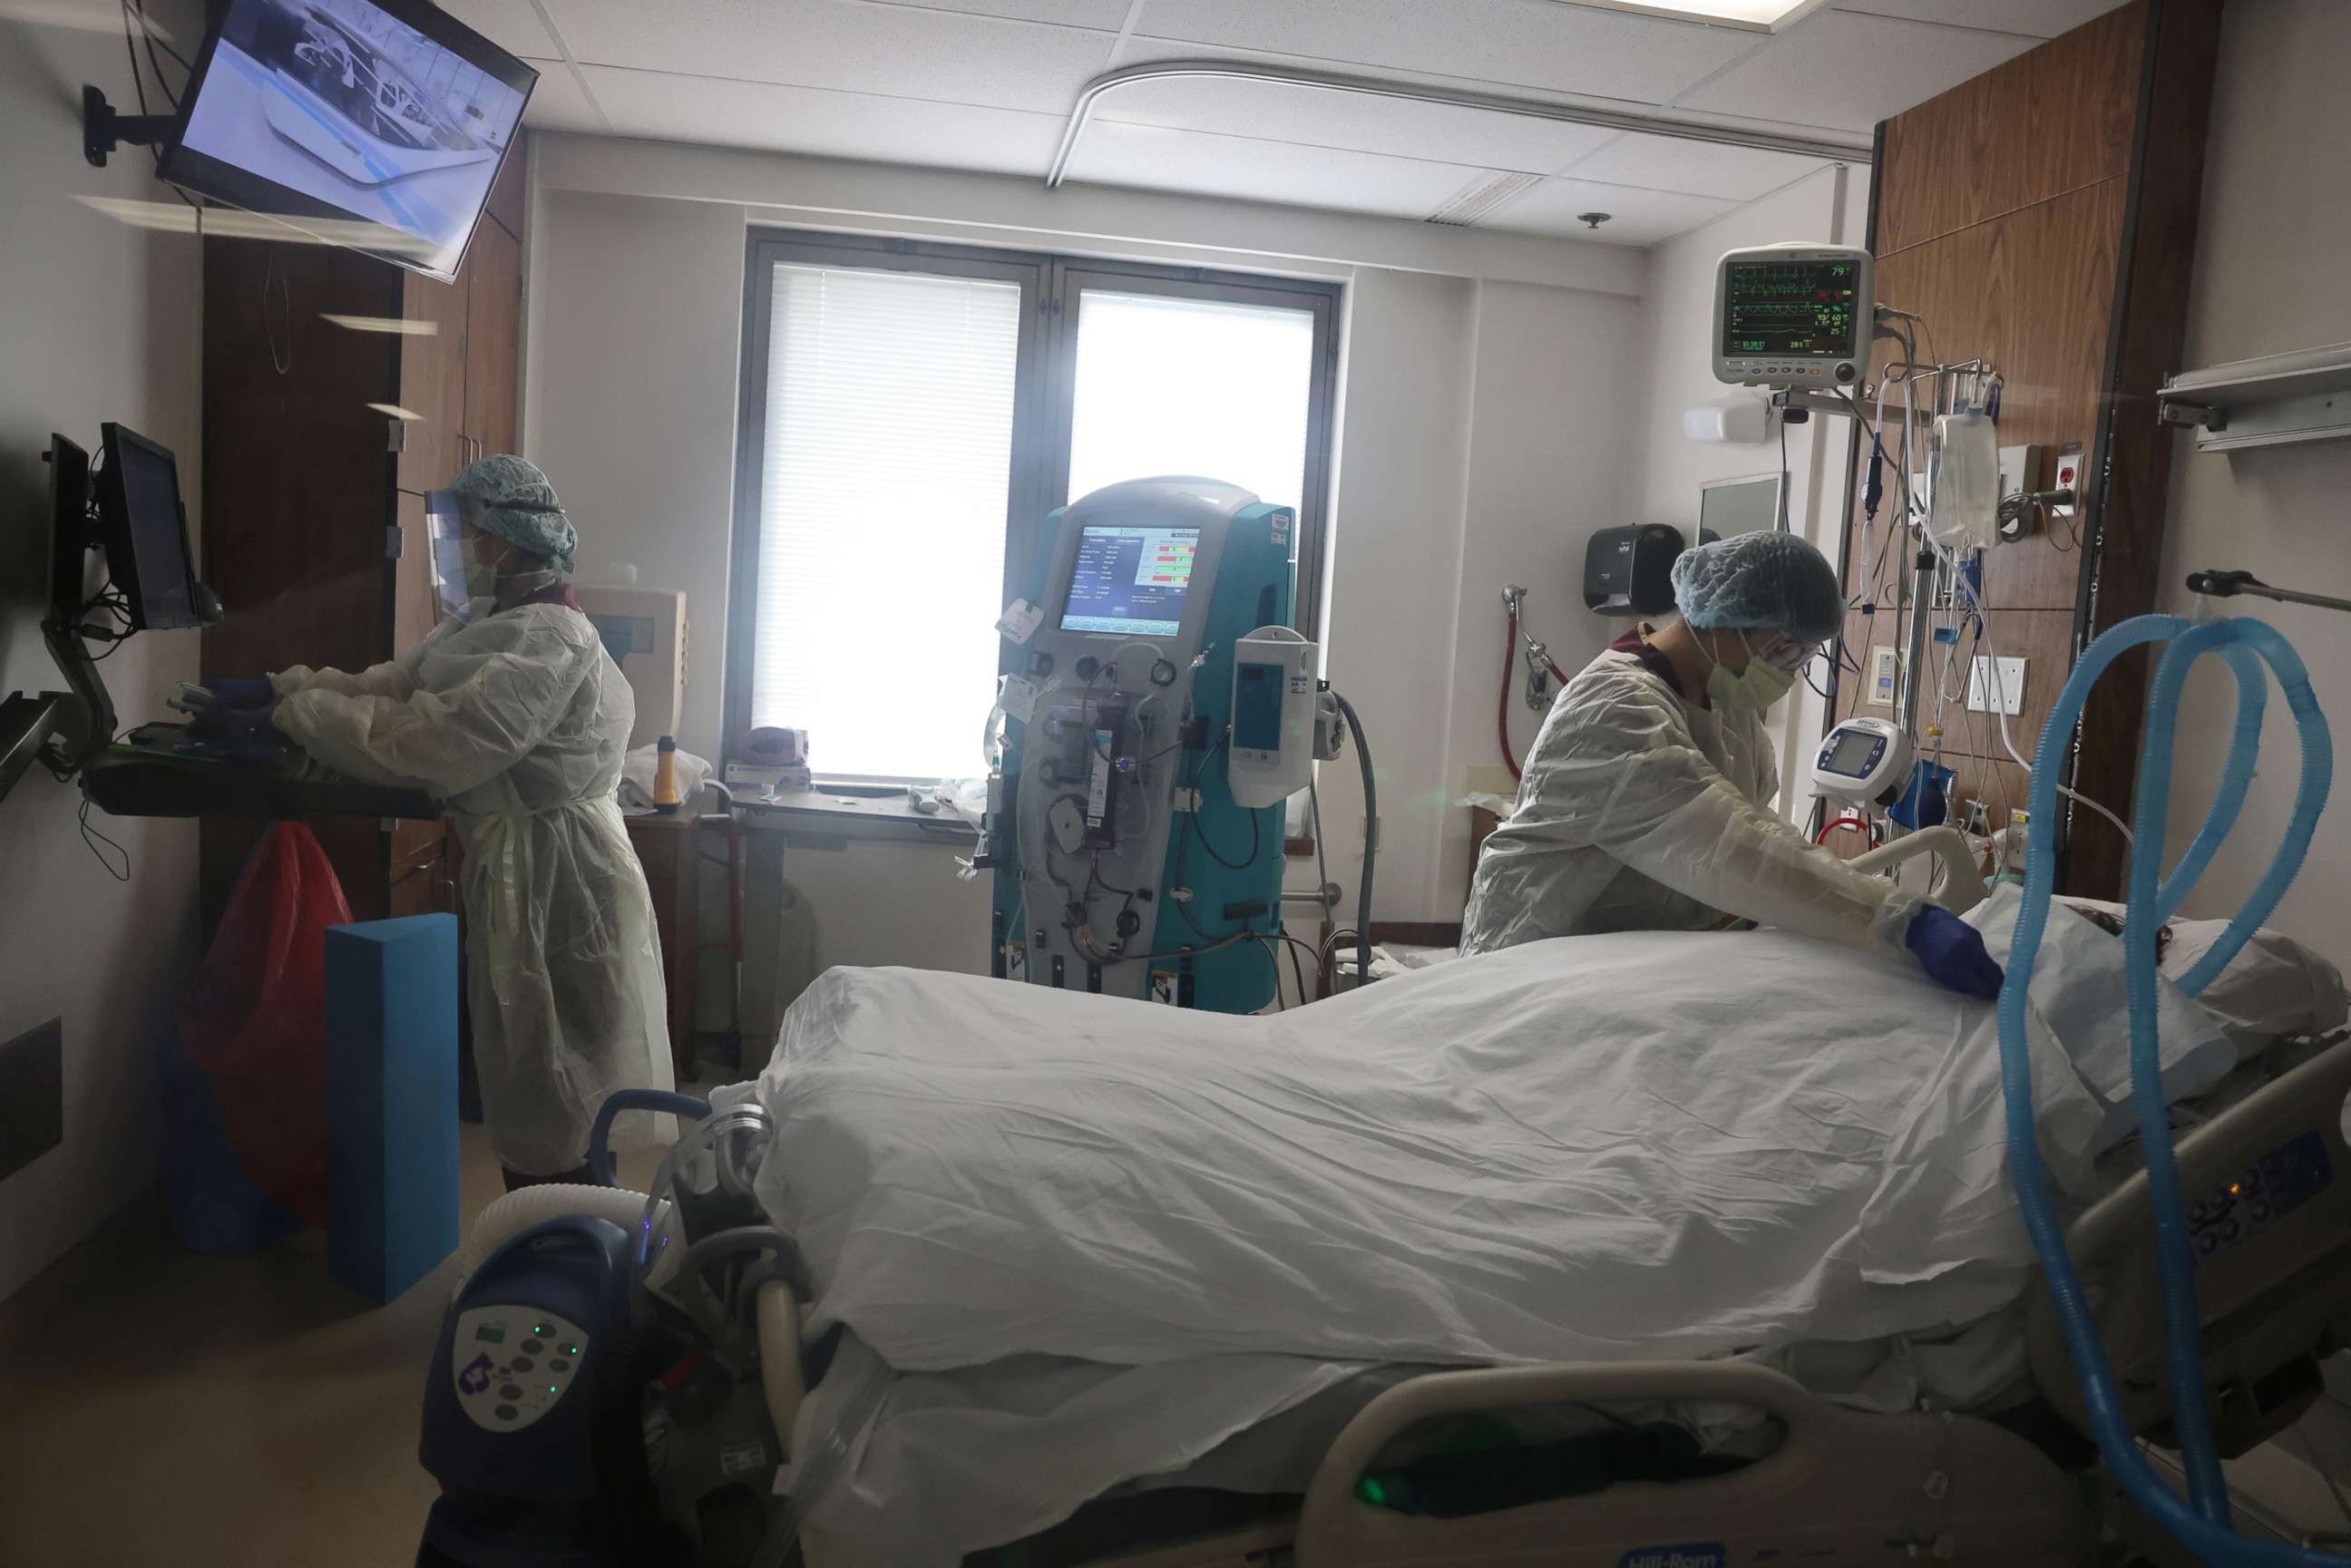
(379, 124)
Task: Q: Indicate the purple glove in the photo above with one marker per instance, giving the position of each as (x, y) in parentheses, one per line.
(236, 726)
(1952, 953)
(243, 691)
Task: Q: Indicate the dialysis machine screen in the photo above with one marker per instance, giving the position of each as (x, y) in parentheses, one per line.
(377, 125)
(1131, 581)
(1792, 309)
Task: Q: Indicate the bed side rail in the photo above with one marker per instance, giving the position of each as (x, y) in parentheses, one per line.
(1857, 1488)
(1962, 887)
(2268, 1184)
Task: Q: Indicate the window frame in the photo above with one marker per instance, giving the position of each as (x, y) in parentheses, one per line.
(1044, 403)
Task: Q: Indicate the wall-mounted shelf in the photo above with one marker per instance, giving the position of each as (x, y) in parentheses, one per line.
(2274, 401)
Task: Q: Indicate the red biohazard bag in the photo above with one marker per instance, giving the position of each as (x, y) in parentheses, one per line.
(255, 1021)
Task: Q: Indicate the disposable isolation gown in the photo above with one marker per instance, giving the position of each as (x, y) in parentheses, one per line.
(1641, 812)
(517, 722)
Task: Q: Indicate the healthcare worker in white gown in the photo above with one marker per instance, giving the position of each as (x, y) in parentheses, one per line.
(512, 714)
(1646, 800)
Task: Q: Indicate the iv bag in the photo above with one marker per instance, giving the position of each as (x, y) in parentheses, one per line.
(1964, 481)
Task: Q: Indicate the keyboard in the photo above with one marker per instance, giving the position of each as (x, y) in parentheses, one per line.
(143, 774)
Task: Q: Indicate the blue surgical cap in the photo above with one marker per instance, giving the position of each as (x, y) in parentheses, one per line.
(513, 500)
(1759, 582)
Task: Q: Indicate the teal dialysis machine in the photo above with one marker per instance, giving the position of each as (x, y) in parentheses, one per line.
(1124, 863)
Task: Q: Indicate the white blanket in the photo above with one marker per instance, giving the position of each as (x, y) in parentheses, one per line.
(1598, 1148)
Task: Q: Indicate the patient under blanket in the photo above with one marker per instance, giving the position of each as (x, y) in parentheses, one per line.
(1078, 1239)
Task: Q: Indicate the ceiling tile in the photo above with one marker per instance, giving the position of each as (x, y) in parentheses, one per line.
(897, 50)
(1693, 168)
(2042, 18)
(1538, 44)
(1272, 112)
(1844, 70)
(558, 104)
(1235, 166)
(824, 124)
(1636, 217)
(512, 25)
(1108, 16)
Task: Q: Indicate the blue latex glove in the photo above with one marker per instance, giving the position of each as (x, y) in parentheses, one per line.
(242, 691)
(235, 725)
(1952, 954)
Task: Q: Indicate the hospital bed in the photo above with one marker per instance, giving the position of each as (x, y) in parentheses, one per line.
(2001, 1481)
(1848, 1487)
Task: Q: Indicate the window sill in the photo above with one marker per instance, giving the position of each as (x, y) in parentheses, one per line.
(827, 819)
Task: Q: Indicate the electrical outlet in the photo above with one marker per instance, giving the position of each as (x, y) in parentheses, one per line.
(32, 1096)
(1886, 673)
(2067, 476)
(2006, 684)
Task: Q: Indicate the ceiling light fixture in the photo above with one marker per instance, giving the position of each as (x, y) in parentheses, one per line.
(1752, 15)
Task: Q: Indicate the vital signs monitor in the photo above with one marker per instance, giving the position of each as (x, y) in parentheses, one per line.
(1793, 315)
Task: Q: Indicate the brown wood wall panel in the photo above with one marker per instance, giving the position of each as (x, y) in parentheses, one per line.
(2152, 329)
(2049, 122)
(2032, 292)
(2027, 216)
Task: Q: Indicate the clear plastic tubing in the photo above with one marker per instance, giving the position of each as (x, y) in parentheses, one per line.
(2251, 650)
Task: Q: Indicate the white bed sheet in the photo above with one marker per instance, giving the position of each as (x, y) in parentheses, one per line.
(1598, 1148)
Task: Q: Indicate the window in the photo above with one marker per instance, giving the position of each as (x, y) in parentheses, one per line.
(909, 415)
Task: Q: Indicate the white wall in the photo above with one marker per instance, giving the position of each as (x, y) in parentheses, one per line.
(1483, 426)
(630, 404)
(1550, 432)
(2269, 275)
(1395, 550)
(1675, 353)
(97, 321)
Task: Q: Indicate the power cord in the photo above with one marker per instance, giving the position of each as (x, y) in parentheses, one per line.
(94, 839)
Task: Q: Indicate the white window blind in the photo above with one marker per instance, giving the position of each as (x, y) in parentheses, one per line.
(887, 460)
(1171, 385)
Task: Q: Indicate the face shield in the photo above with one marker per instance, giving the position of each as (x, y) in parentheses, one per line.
(464, 580)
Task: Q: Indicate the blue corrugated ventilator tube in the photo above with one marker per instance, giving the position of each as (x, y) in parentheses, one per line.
(2201, 1522)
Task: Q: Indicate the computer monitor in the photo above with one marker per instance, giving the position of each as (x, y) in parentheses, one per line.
(1727, 506)
(144, 531)
(1131, 581)
(379, 124)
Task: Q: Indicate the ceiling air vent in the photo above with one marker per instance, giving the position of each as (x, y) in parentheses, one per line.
(1480, 197)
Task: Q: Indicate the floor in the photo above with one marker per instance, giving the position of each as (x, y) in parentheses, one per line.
(158, 1407)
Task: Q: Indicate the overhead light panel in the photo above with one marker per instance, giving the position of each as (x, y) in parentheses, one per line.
(1753, 16)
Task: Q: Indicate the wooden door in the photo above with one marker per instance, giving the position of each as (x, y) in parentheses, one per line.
(432, 381)
(297, 479)
(493, 338)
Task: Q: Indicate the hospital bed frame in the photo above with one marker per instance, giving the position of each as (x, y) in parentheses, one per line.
(1851, 1488)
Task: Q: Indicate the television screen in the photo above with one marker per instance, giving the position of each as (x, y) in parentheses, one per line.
(380, 124)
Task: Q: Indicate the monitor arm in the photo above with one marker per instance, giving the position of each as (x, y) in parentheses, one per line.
(103, 129)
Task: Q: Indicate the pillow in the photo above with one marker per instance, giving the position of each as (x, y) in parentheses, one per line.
(2274, 988)
(2081, 991)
